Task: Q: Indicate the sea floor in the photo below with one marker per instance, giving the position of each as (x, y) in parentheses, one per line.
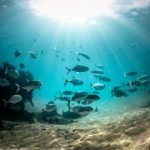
(130, 131)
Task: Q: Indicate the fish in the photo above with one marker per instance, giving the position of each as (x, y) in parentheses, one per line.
(13, 74)
(57, 55)
(58, 51)
(99, 66)
(67, 92)
(4, 82)
(145, 83)
(22, 65)
(17, 54)
(131, 73)
(63, 59)
(31, 85)
(74, 81)
(79, 96)
(16, 107)
(95, 92)
(116, 87)
(132, 89)
(96, 109)
(134, 83)
(97, 86)
(133, 45)
(28, 100)
(7, 67)
(83, 111)
(91, 97)
(63, 98)
(50, 107)
(13, 100)
(97, 71)
(78, 68)
(144, 77)
(119, 93)
(83, 55)
(102, 78)
(32, 54)
(71, 115)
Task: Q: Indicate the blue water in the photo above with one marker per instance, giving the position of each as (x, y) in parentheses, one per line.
(119, 44)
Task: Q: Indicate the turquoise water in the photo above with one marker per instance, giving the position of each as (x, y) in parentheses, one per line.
(119, 44)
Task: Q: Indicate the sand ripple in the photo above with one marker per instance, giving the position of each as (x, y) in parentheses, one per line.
(132, 132)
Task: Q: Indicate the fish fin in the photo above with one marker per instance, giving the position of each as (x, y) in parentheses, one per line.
(68, 70)
(28, 90)
(55, 98)
(91, 85)
(66, 81)
(18, 88)
(130, 84)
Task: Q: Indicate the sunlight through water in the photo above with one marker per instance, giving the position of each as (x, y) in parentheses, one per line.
(79, 11)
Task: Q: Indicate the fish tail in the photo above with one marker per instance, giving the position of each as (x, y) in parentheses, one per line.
(55, 98)
(66, 81)
(68, 70)
(18, 88)
(91, 85)
(130, 84)
(60, 92)
(28, 90)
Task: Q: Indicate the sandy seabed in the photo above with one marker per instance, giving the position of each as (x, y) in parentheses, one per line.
(129, 132)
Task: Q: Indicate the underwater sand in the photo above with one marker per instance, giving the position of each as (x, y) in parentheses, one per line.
(128, 131)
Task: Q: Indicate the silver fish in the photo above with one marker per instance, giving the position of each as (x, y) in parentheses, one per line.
(31, 85)
(100, 66)
(144, 77)
(83, 111)
(84, 55)
(13, 74)
(102, 78)
(97, 71)
(13, 100)
(97, 86)
(32, 54)
(91, 98)
(79, 96)
(4, 82)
